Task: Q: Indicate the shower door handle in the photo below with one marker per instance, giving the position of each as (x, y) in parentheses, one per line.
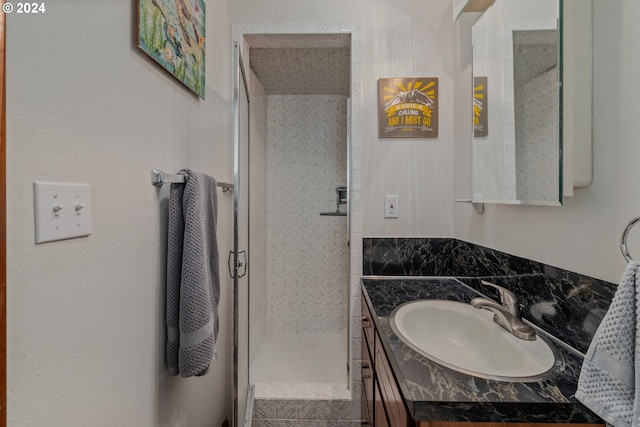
(241, 264)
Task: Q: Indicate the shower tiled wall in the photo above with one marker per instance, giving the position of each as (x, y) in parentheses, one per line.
(307, 253)
(537, 156)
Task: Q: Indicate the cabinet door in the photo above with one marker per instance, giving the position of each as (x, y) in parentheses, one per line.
(368, 330)
(393, 403)
(367, 386)
(380, 415)
(367, 369)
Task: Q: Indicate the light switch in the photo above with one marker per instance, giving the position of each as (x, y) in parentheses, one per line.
(62, 211)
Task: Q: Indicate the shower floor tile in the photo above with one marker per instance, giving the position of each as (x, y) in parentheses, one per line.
(301, 366)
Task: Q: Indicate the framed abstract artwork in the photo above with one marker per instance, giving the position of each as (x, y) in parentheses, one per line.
(172, 32)
(408, 107)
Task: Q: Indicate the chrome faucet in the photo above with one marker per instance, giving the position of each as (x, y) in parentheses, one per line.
(506, 314)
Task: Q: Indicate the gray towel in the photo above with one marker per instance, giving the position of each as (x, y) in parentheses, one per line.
(193, 279)
(609, 382)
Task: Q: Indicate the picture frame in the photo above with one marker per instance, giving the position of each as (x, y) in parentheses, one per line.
(480, 107)
(408, 107)
(172, 32)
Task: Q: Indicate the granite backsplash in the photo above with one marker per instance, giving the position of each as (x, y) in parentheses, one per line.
(567, 305)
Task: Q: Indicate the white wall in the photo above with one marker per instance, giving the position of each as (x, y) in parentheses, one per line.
(537, 155)
(404, 38)
(85, 316)
(584, 234)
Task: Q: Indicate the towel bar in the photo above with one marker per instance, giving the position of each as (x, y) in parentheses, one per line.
(623, 240)
(159, 178)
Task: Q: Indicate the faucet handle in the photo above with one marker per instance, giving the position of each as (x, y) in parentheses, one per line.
(507, 298)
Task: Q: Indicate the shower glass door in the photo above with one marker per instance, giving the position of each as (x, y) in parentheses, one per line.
(243, 400)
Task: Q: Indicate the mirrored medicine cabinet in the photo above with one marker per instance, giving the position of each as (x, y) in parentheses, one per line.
(531, 101)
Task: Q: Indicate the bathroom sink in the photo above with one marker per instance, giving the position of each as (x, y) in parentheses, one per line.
(466, 339)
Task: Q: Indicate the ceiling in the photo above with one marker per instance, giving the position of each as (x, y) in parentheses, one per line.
(301, 64)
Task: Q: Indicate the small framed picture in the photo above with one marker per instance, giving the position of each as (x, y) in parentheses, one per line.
(172, 32)
(408, 107)
(480, 110)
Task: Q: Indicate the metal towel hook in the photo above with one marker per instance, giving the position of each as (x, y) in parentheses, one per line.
(623, 240)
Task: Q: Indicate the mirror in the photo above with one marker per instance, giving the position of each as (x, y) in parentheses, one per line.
(517, 142)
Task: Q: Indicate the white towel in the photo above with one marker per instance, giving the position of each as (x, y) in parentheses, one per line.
(193, 282)
(609, 381)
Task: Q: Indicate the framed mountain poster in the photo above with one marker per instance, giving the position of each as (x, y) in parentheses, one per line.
(408, 107)
(480, 104)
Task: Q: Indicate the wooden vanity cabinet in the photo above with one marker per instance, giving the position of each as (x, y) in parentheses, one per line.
(390, 396)
(367, 383)
(382, 404)
(479, 424)
(367, 369)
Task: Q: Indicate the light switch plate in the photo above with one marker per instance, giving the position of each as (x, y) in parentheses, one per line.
(391, 206)
(62, 211)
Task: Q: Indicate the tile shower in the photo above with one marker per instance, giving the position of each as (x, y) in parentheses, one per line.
(320, 64)
(299, 275)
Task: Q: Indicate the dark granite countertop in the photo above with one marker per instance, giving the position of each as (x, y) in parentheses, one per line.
(433, 392)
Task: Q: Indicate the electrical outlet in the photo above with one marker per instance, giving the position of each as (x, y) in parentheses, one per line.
(391, 206)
